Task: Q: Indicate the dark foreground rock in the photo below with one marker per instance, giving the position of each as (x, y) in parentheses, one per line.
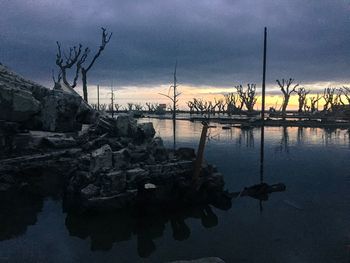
(114, 164)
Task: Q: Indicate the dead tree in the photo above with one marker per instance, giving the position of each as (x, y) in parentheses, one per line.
(151, 107)
(84, 70)
(130, 106)
(175, 97)
(190, 105)
(345, 91)
(117, 107)
(66, 62)
(233, 103)
(221, 105)
(57, 84)
(287, 90)
(248, 97)
(329, 98)
(314, 103)
(138, 107)
(302, 93)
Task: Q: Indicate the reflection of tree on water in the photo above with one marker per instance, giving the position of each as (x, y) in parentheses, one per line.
(300, 135)
(246, 137)
(106, 229)
(18, 211)
(284, 143)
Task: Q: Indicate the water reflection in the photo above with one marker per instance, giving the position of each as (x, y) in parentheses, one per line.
(107, 229)
(17, 213)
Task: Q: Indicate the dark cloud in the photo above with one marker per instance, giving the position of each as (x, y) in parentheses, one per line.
(216, 42)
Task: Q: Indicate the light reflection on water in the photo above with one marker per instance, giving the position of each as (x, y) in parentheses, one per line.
(309, 222)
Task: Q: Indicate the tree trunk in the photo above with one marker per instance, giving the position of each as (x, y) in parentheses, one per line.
(84, 80)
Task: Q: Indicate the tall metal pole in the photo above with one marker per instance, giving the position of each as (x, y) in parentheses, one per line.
(263, 113)
(263, 81)
(98, 97)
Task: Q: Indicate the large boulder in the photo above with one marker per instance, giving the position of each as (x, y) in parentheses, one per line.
(59, 111)
(101, 159)
(17, 105)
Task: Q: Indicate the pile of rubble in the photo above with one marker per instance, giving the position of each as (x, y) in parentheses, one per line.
(109, 164)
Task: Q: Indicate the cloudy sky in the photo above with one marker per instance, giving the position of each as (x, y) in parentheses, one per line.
(217, 43)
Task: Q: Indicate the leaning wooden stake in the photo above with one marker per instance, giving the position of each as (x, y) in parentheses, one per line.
(200, 152)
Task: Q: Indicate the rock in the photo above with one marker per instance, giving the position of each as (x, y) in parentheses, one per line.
(59, 111)
(90, 191)
(101, 159)
(185, 153)
(118, 181)
(37, 107)
(201, 260)
(17, 105)
(59, 142)
(125, 125)
(121, 159)
(136, 177)
(145, 131)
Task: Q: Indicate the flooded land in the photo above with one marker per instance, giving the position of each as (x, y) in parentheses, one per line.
(308, 222)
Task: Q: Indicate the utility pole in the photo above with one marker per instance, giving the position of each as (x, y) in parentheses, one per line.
(263, 112)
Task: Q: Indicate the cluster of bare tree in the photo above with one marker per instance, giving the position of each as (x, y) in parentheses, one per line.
(332, 97)
(77, 59)
(231, 103)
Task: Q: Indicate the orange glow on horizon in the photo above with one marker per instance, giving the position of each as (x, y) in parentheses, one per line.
(152, 94)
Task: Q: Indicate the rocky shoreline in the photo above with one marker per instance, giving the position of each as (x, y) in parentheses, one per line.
(102, 163)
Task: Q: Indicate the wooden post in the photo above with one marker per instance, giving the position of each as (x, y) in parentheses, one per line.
(98, 97)
(200, 152)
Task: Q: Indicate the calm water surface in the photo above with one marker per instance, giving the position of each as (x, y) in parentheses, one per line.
(309, 222)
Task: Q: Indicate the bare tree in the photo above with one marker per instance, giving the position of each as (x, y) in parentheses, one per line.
(346, 92)
(175, 97)
(130, 106)
(117, 107)
(65, 62)
(57, 84)
(302, 93)
(233, 103)
(329, 98)
(287, 90)
(84, 70)
(248, 97)
(313, 103)
(190, 105)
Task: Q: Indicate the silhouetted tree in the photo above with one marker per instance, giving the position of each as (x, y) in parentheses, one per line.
(233, 103)
(285, 86)
(175, 97)
(329, 98)
(346, 92)
(248, 97)
(302, 93)
(66, 62)
(313, 103)
(84, 70)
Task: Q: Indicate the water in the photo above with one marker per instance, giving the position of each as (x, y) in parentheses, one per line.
(309, 222)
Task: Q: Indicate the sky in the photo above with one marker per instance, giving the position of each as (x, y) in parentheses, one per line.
(218, 43)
